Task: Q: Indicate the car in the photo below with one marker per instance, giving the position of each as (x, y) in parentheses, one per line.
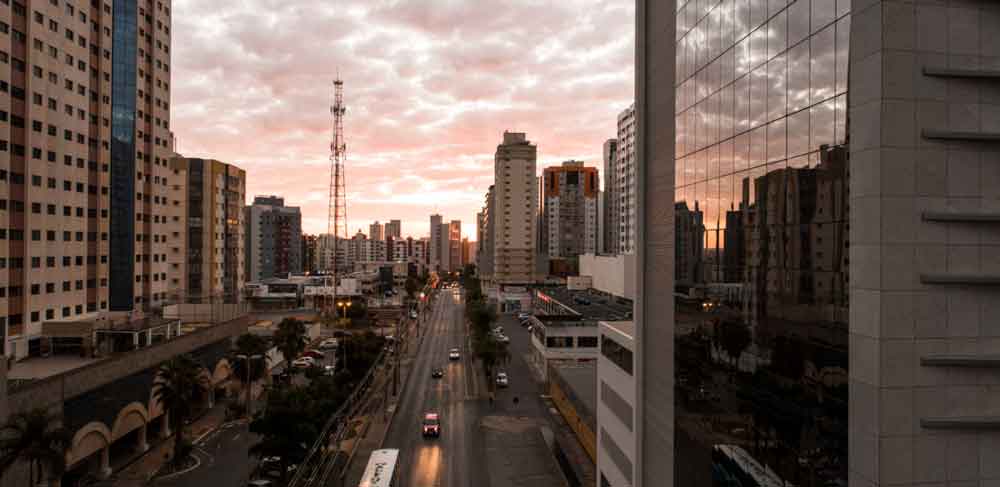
(260, 483)
(329, 344)
(498, 330)
(454, 354)
(330, 370)
(431, 425)
(413, 314)
(304, 362)
(502, 379)
(316, 354)
(523, 316)
(503, 339)
(437, 373)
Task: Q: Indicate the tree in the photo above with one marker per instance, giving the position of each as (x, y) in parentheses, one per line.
(180, 380)
(290, 338)
(411, 286)
(285, 431)
(38, 438)
(249, 345)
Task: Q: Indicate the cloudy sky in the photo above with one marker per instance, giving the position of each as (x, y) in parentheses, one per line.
(430, 86)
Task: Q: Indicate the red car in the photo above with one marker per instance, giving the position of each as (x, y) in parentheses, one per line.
(316, 354)
(432, 425)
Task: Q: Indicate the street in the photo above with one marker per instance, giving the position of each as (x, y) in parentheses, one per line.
(464, 453)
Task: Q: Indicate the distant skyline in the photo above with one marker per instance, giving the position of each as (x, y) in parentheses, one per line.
(430, 86)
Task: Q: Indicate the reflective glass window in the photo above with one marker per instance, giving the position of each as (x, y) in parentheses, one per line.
(822, 65)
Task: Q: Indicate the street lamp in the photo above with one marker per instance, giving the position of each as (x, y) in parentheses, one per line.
(344, 305)
(249, 386)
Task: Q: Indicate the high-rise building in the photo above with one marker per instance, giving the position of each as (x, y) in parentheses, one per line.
(211, 231)
(376, 231)
(310, 249)
(394, 229)
(454, 245)
(610, 203)
(569, 210)
(436, 250)
(624, 181)
(485, 252)
(516, 194)
(274, 238)
(852, 345)
(72, 171)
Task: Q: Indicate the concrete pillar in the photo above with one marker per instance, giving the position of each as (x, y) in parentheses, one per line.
(142, 445)
(105, 471)
(165, 429)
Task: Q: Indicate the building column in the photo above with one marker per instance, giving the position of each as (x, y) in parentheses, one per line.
(142, 445)
(165, 429)
(105, 471)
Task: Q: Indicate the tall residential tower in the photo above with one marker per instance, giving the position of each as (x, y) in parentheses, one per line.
(516, 203)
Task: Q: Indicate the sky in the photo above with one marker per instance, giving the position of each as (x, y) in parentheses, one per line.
(429, 85)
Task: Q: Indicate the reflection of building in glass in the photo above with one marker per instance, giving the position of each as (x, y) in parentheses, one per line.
(689, 235)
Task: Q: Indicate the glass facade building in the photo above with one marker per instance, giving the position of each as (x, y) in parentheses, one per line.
(123, 154)
(761, 242)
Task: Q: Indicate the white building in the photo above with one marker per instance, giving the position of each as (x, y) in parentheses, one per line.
(612, 274)
(516, 203)
(624, 181)
(565, 323)
(616, 398)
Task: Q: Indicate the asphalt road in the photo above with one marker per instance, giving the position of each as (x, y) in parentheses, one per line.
(458, 457)
(224, 457)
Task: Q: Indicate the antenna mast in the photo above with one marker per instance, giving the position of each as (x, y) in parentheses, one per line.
(337, 218)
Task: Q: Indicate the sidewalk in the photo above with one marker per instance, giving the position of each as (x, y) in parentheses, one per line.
(140, 471)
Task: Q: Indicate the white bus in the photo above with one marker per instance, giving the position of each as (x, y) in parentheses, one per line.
(381, 469)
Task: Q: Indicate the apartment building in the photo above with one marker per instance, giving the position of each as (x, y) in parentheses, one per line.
(274, 238)
(861, 231)
(485, 250)
(609, 202)
(376, 231)
(211, 231)
(394, 229)
(516, 204)
(569, 210)
(436, 250)
(624, 182)
(84, 193)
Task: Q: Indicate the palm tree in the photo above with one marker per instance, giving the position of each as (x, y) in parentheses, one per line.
(290, 339)
(38, 438)
(180, 379)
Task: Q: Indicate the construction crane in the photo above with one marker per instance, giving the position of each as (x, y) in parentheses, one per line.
(337, 216)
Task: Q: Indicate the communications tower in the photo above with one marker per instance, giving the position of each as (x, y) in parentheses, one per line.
(337, 221)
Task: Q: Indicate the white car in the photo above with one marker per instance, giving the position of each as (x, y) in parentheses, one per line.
(503, 339)
(502, 379)
(304, 362)
(498, 330)
(413, 314)
(328, 344)
(454, 354)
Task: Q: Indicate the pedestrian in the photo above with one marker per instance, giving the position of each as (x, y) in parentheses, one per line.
(515, 401)
(491, 399)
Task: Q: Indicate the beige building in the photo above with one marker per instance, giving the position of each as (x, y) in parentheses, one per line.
(83, 210)
(516, 204)
(207, 256)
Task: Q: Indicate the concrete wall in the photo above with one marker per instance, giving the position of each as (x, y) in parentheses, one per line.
(899, 317)
(611, 274)
(583, 431)
(56, 389)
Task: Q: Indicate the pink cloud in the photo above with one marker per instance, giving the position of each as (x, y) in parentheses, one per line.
(430, 87)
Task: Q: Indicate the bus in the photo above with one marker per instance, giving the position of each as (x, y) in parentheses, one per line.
(381, 469)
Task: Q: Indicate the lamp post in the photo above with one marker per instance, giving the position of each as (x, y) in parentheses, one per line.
(344, 305)
(248, 365)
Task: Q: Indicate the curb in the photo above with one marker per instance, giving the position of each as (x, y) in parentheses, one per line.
(197, 464)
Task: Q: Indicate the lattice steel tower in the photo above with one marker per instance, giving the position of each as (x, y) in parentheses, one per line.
(337, 223)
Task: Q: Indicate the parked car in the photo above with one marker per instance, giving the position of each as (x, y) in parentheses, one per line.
(498, 330)
(329, 344)
(503, 339)
(413, 314)
(437, 373)
(431, 425)
(454, 354)
(330, 370)
(502, 379)
(316, 354)
(523, 316)
(304, 362)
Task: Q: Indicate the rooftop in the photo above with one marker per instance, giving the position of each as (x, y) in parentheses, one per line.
(581, 380)
(587, 304)
(42, 367)
(624, 328)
